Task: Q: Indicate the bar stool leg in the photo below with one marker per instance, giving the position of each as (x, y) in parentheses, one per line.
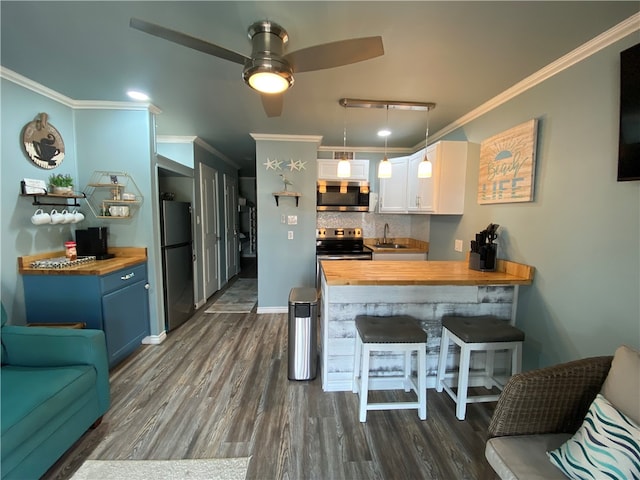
(516, 359)
(407, 371)
(357, 363)
(422, 383)
(489, 369)
(442, 360)
(364, 383)
(463, 382)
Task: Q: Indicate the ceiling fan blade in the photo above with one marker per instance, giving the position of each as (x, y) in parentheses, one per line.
(272, 104)
(187, 41)
(335, 54)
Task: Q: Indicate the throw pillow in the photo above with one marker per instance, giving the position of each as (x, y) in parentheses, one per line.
(606, 446)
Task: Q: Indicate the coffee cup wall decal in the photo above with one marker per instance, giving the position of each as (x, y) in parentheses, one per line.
(42, 143)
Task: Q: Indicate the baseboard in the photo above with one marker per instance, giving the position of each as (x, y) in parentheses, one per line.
(154, 339)
(272, 310)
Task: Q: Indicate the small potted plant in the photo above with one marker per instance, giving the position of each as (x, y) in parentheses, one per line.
(61, 184)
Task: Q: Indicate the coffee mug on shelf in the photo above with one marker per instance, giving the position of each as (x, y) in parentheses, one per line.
(56, 217)
(77, 216)
(40, 217)
(67, 217)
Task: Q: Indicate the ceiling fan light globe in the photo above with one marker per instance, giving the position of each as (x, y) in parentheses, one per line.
(268, 75)
(268, 82)
(425, 168)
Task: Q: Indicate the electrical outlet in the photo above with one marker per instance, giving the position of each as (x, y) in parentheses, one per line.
(458, 245)
(290, 235)
(283, 219)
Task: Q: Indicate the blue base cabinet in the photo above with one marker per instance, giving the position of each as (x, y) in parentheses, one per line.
(117, 303)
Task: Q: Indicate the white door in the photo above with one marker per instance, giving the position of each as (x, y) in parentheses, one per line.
(231, 223)
(210, 229)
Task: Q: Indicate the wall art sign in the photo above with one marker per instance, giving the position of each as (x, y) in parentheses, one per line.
(43, 143)
(507, 165)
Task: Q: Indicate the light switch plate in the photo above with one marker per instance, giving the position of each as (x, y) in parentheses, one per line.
(292, 219)
(458, 245)
(290, 235)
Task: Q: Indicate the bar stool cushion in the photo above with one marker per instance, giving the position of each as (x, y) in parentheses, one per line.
(484, 329)
(396, 329)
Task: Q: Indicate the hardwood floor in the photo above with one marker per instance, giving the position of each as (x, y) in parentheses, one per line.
(217, 387)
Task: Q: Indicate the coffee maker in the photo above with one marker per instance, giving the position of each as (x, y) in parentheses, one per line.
(93, 242)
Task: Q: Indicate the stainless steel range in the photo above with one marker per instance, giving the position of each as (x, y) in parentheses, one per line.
(339, 244)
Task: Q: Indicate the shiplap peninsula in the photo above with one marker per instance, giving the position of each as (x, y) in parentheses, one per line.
(427, 290)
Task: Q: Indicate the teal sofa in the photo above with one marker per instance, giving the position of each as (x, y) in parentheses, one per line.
(54, 386)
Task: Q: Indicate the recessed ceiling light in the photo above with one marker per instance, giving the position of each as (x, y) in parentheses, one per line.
(137, 95)
(384, 133)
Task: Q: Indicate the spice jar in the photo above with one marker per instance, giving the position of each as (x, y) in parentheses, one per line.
(70, 250)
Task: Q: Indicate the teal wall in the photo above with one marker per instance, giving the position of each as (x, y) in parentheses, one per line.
(284, 264)
(19, 236)
(121, 141)
(581, 232)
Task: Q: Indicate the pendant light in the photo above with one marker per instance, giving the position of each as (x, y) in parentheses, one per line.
(384, 167)
(344, 166)
(425, 168)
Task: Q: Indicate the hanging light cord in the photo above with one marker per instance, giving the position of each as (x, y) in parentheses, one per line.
(426, 136)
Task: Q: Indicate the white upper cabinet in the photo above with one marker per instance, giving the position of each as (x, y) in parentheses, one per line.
(442, 194)
(393, 191)
(328, 170)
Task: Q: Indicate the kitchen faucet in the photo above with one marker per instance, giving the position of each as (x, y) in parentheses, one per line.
(385, 233)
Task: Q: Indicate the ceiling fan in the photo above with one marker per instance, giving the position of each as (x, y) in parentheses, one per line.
(269, 70)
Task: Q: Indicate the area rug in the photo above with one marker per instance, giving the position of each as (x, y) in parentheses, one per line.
(192, 469)
(241, 297)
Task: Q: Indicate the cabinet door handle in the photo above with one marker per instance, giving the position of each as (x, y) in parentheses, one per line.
(128, 276)
(147, 286)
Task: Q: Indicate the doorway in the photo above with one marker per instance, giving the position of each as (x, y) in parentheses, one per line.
(210, 230)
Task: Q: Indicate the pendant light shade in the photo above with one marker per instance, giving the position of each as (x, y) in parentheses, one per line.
(384, 167)
(425, 168)
(344, 166)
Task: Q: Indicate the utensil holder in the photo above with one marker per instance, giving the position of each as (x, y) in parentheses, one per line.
(485, 259)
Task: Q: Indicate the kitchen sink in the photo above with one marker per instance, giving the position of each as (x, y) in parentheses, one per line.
(390, 245)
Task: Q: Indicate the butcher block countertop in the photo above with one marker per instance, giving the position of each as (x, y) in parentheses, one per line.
(125, 257)
(354, 272)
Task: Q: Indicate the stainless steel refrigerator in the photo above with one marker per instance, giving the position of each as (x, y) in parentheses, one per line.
(177, 262)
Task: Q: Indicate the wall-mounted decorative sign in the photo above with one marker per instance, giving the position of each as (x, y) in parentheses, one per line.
(507, 165)
(43, 143)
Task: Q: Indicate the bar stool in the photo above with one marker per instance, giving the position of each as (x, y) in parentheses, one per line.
(390, 334)
(484, 333)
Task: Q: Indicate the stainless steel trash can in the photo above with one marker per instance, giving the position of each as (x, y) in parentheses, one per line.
(303, 333)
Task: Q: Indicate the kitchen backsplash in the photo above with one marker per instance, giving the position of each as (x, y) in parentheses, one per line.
(372, 224)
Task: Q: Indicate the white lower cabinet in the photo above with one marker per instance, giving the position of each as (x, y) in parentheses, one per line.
(442, 194)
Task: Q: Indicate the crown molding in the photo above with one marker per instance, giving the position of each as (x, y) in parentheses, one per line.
(286, 138)
(605, 39)
(47, 92)
(176, 139)
(195, 140)
(340, 148)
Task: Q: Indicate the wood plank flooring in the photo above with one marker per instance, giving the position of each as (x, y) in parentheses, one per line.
(217, 387)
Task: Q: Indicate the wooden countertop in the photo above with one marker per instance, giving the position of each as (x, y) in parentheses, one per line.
(354, 272)
(412, 245)
(125, 257)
